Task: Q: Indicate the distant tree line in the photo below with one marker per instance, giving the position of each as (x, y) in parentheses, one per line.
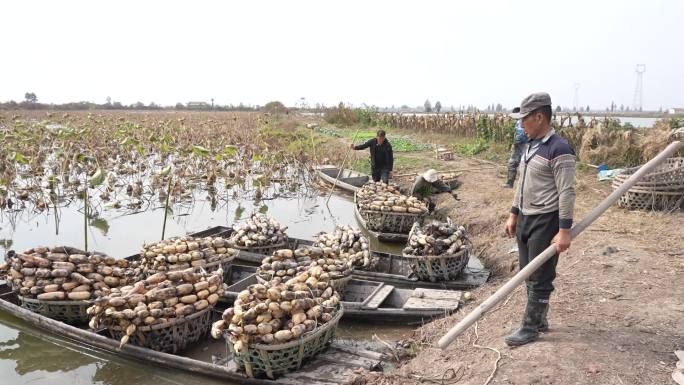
(31, 102)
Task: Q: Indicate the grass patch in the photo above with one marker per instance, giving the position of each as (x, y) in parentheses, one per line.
(399, 143)
(400, 162)
(472, 148)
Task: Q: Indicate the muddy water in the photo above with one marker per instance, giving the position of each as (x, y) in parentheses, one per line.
(30, 356)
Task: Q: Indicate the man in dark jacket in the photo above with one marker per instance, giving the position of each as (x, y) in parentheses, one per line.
(382, 158)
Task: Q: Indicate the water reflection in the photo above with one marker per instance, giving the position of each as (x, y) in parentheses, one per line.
(31, 354)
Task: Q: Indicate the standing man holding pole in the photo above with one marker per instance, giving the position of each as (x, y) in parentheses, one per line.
(519, 141)
(542, 209)
(382, 158)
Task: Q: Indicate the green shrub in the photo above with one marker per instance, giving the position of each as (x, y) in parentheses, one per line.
(472, 148)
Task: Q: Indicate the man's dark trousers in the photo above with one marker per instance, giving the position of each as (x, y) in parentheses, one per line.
(380, 174)
(534, 234)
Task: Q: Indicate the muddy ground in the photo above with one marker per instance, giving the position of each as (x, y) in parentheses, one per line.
(617, 313)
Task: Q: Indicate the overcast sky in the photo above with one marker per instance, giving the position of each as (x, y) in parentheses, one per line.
(381, 53)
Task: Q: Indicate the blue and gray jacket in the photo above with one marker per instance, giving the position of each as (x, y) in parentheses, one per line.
(520, 135)
(548, 179)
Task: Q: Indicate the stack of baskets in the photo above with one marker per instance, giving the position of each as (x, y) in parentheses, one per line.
(662, 189)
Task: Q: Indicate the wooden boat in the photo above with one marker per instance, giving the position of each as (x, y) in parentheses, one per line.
(372, 301)
(394, 270)
(349, 180)
(332, 367)
(391, 269)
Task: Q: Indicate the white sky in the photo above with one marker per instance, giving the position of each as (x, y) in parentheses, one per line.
(378, 52)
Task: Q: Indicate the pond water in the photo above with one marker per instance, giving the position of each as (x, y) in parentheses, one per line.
(30, 356)
(638, 122)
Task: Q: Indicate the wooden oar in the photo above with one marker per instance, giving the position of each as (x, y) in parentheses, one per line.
(539, 260)
(344, 161)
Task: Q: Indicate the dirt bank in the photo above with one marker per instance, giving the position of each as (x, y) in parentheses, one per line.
(616, 316)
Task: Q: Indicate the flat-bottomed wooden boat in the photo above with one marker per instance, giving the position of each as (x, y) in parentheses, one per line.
(348, 180)
(373, 301)
(332, 367)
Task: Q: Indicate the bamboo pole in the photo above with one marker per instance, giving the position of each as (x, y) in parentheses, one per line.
(166, 206)
(85, 215)
(344, 161)
(539, 260)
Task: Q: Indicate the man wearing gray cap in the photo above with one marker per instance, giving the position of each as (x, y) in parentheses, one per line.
(542, 209)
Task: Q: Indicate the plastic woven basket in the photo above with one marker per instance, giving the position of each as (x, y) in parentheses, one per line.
(170, 337)
(445, 267)
(273, 361)
(72, 312)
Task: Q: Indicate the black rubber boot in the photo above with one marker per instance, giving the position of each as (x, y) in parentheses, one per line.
(544, 324)
(529, 330)
(511, 179)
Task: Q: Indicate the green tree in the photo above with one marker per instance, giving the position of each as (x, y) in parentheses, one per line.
(30, 97)
(427, 106)
(558, 108)
(438, 106)
(275, 107)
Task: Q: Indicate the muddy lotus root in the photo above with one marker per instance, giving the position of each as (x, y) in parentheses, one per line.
(285, 264)
(158, 299)
(278, 312)
(184, 252)
(345, 243)
(436, 238)
(378, 196)
(259, 230)
(65, 273)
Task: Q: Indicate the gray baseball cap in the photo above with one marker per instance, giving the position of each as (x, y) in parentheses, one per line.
(531, 103)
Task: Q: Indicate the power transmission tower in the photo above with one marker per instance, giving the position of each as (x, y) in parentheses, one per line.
(576, 99)
(639, 90)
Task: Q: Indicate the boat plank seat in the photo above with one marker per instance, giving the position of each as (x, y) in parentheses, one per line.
(432, 299)
(438, 294)
(379, 297)
(356, 180)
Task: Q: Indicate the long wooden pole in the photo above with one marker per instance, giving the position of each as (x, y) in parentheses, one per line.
(166, 206)
(539, 260)
(339, 172)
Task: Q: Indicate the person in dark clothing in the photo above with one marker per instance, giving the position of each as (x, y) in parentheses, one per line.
(520, 139)
(382, 158)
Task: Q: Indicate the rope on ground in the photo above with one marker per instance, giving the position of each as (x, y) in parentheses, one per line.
(498, 358)
(453, 378)
(391, 349)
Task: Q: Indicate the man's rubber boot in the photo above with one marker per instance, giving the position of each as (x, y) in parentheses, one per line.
(544, 324)
(511, 179)
(529, 330)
